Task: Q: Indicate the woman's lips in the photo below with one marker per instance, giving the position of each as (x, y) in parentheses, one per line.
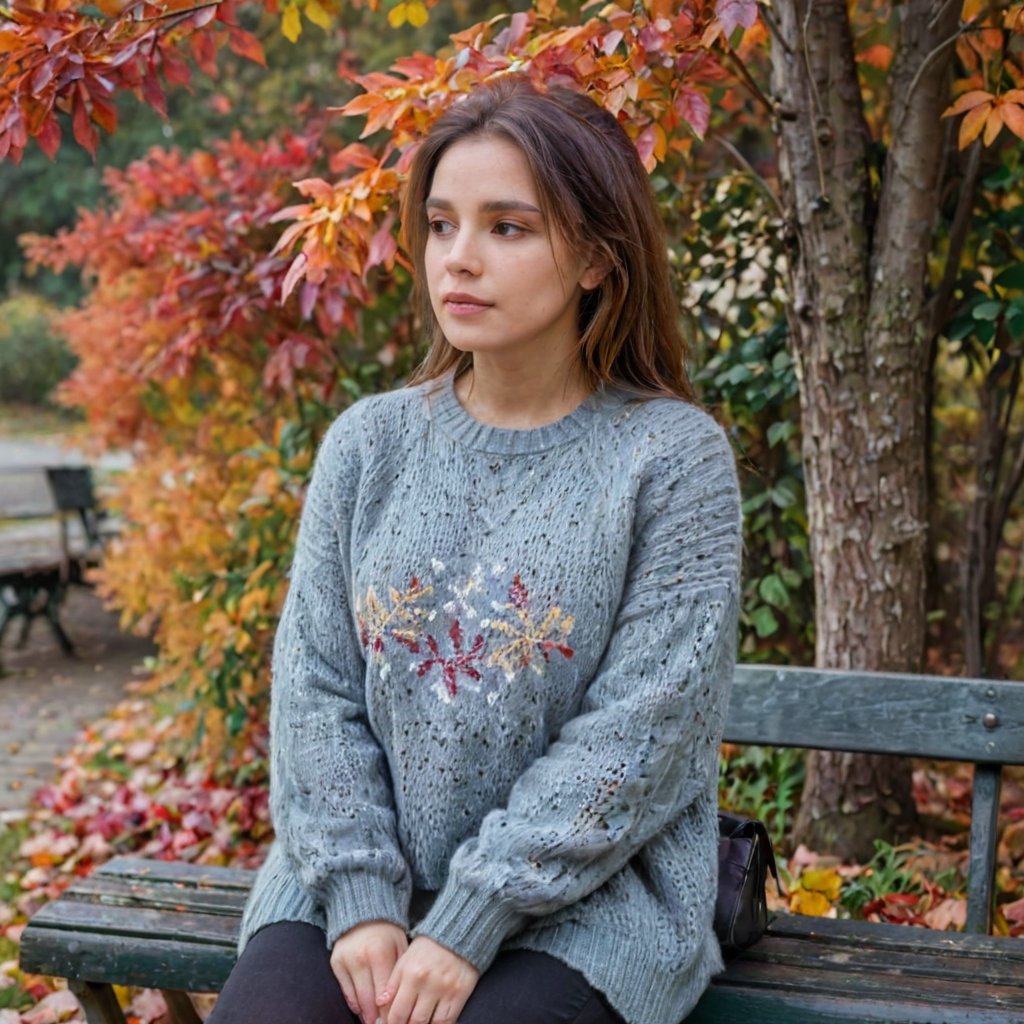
(464, 305)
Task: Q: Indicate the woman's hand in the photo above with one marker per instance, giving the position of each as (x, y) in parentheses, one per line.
(429, 984)
(363, 959)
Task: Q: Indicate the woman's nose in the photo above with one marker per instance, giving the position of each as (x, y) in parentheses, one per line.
(463, 255)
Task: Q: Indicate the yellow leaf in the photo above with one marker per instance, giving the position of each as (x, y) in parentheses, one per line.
(823, 880)
(317, 14)
(993, 125)
(291, 23)
(813, 904)
(416, 13)
(974, 120)
(396, 16)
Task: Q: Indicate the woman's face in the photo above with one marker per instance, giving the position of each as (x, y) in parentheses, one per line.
(501, 280)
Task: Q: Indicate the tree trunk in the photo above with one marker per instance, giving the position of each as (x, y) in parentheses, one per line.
(857, 280)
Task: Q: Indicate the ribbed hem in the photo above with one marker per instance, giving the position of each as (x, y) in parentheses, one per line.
(470, 923)
(449, 415)
(639, 988)
(356, 897)
(277, 895)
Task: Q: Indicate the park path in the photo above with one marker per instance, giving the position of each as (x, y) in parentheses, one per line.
(46, 697)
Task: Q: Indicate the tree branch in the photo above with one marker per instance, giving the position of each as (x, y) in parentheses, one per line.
(941, 300)
(746, 165)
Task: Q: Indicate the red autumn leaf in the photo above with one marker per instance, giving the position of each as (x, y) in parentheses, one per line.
(175, 70)
(694, 108)
(153, 93)
(49, 136)
(736, 12)
(383, 246)
(104, 114)
(245, 44)
(85, 134)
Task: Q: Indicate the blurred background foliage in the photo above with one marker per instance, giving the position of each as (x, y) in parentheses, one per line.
(224, 434)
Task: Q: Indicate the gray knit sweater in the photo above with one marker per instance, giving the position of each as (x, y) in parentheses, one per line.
(501, 677)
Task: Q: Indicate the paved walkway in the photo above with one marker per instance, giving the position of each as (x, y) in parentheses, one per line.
(46, 698)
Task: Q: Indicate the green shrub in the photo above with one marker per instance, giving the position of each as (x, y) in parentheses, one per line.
(33, 356)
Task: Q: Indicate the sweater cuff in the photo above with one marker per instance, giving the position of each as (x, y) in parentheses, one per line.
(356, 897)
(470, 923)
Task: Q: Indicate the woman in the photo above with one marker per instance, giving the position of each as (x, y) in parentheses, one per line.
(501, 674)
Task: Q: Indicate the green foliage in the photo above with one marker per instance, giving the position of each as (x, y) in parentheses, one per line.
(886, 873)
(762, 782)
(33, 356)
(729, 262)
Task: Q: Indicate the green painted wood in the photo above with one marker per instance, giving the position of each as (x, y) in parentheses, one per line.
(874, 964)
(74, 916)
(897, 984)
(984, 838)
(117, 890)
(130, 960)
(894, 937)
(917, 716)
(727, 1006)
(193, 876)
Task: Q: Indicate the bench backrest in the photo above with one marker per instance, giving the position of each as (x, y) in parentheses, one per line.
(943, 717)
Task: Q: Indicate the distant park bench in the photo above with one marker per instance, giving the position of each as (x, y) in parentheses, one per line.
(51, 532)
(174, 926)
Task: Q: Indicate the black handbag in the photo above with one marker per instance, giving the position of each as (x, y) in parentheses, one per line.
(745, 857)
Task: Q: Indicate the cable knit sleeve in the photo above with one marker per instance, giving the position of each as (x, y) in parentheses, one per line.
(645, 743)
(331, 801)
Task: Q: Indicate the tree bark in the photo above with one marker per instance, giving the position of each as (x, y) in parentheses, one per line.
(856, 315)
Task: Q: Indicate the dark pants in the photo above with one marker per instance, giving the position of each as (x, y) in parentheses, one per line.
(285, 977)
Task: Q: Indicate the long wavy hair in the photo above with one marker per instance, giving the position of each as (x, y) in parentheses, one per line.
(594, 191)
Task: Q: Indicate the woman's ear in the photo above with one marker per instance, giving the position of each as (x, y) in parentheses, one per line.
(597, 270)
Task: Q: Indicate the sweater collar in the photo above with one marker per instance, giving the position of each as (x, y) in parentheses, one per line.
(449, 415)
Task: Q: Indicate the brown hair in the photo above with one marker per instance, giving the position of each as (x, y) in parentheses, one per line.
(593, 190)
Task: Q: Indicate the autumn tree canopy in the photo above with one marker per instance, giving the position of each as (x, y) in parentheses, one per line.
(243, 292)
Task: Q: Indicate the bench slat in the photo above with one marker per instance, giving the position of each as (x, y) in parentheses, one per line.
(921, 965)
(916, 716)
(744, 1006)
(138, 922)
(116, 891)
(179, 873)
(125, 960)
(897, 937)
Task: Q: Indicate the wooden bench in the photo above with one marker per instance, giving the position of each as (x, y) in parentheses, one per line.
(173, 926)
(57, 535)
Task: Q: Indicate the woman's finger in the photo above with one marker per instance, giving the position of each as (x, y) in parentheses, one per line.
(348, 990)
(366, 996)
(401, 1006)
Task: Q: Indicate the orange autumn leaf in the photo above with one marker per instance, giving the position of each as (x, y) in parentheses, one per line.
(878, 56)
(1013, 118)
(972, 124)
(969, 101)
(993, 125)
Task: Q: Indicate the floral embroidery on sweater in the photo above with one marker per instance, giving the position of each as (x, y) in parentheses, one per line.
(512, 636)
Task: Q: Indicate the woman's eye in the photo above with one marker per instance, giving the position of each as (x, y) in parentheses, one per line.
(507, 229)
(438, 226)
